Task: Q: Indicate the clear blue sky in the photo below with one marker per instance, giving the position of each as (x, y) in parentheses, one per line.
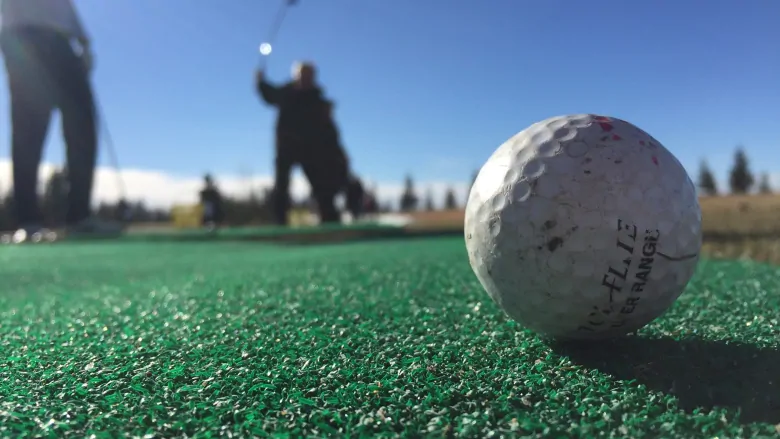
(432, 87)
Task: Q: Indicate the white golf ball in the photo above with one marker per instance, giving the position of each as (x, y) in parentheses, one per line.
(265, 49)
(583, 227)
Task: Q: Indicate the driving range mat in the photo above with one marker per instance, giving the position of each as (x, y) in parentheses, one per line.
(379, 339)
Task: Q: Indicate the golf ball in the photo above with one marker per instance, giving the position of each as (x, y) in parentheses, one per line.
(583, 227)
(265, 49)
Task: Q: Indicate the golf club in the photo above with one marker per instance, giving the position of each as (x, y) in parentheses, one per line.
(266, 47)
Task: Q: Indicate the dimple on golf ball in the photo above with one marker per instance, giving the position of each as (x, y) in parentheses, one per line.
(583, 227)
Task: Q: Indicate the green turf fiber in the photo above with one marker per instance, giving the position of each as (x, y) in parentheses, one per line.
(392, 339)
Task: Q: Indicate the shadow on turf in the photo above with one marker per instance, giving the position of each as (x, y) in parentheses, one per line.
(701, 374)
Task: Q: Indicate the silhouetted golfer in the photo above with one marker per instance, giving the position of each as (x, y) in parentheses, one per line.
(306, 135)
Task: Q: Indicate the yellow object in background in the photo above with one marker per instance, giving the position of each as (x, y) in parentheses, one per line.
(187, 216)
(301, 218)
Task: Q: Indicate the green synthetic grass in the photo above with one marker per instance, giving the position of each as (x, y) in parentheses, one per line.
(257, 232)
(389, 339)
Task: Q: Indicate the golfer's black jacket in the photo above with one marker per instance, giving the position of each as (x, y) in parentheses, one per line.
(303, 113)
(304, 127)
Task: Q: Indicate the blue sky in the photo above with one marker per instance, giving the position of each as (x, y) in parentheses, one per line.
(431, 87)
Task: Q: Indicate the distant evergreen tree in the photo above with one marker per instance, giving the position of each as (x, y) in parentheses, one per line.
(707, 182)
(741, 180)
(409, 199)
(450, 201)
(764, 186)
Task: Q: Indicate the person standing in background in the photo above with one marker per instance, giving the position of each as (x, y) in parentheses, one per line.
(45, 72)
(211, 200)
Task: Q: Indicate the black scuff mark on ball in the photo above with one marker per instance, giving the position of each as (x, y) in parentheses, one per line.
(618, 161)
(677, 258)
(554, 243)
(492, 223)
(549, 224)
(587, 172)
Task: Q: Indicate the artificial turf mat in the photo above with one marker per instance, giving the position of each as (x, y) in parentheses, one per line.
(281, 234)
(390, 339)
(304, 235)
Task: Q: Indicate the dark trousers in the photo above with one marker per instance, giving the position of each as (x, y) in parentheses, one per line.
(326, 176)
(212, 212)
(44, 73)
(354, 197)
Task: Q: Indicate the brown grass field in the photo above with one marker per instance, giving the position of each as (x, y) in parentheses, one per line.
(733, 226)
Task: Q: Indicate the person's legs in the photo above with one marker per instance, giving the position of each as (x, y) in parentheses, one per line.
(53, 76)
(219, 213)
(327, 207)
(30, 123)
(76, 102)
(281, 191)
(30, 86)
(208, 213)
(326, 180)
(354, 196)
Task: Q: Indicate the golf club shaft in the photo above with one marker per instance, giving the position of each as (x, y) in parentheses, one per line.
(111, 151)
(277, 24)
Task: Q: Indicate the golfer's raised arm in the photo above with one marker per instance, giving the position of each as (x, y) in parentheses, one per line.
(268, 92)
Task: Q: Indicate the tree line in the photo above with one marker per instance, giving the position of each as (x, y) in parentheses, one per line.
(741, 178)
(410, 200)
(255, 208)
(53, 205)
(741, 181)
